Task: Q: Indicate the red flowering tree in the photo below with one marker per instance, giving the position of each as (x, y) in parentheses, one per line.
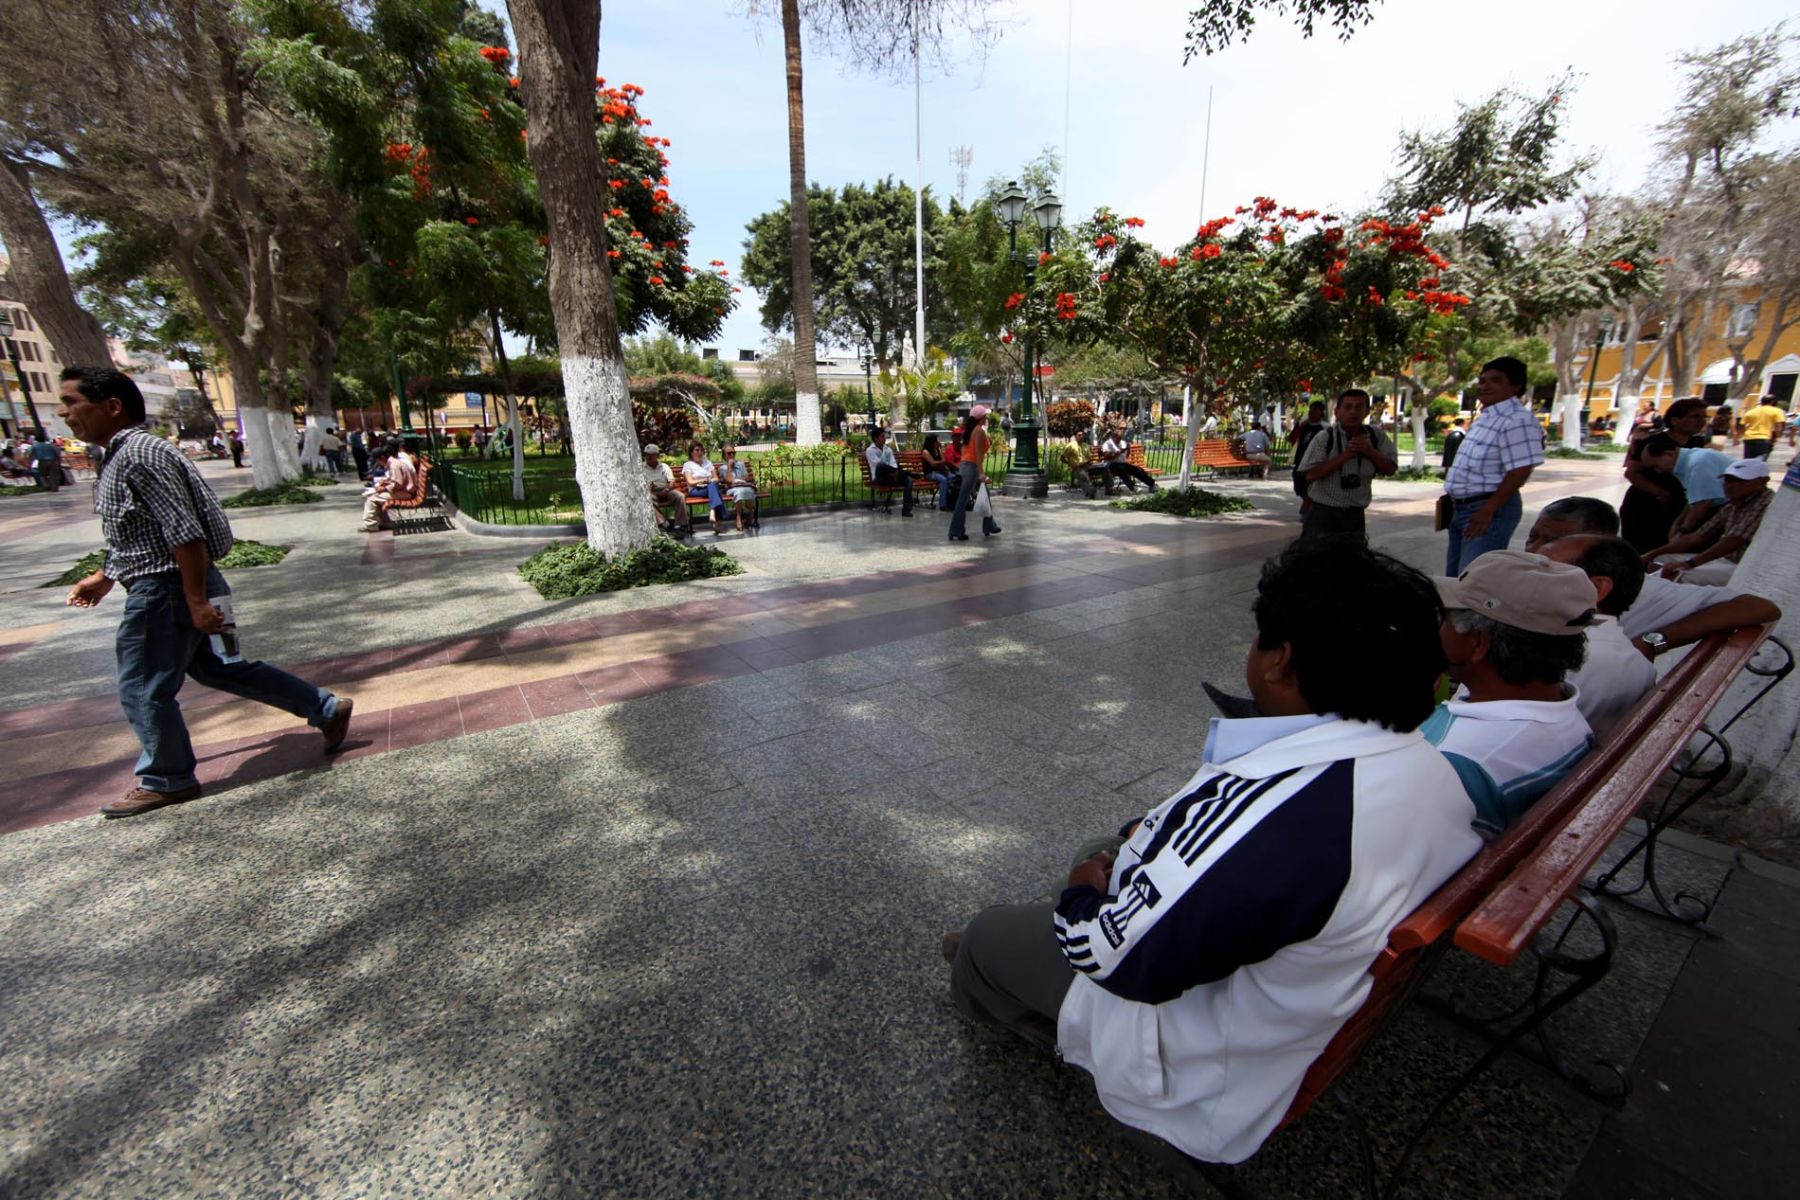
(464, 242)
(1269, 300)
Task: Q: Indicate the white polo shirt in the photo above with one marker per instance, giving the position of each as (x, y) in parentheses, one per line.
(1508, 753)
(1613, 678)
(1666, 601)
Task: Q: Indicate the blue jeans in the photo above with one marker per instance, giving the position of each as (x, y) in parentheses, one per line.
(965, 498)
(157, 647)
(1463, 551)
(714, 499)
(942, 479)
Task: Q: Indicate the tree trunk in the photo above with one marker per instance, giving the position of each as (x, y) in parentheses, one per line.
(1418, 410)
(1190, 417)
(253, 417)
(35, 270)
(807, 431)
(559, 46)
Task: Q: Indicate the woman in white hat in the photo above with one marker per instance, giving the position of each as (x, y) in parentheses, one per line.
(975, 449)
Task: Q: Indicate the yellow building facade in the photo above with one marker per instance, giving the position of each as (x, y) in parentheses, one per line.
(1740, 318)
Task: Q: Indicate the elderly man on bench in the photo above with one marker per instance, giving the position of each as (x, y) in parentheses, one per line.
(1228, 933)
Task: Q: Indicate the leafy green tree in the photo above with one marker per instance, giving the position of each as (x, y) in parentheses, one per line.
(862, 268)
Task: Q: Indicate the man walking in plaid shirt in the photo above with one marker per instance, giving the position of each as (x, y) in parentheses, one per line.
(164, 529)
(1503, 445)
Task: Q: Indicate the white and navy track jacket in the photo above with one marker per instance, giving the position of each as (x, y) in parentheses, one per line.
(1242, 917)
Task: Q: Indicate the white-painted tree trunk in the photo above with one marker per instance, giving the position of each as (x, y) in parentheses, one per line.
(608, 465)
(1418, 409)
(809, 429)
(259, 443)
(310, 457)
(1571, 421)
(1627, 405)
(281, 436)
(1190, 415)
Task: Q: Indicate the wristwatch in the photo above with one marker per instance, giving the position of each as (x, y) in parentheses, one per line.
(1654, 642)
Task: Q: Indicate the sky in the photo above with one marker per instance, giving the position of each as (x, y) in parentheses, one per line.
(1312, 123)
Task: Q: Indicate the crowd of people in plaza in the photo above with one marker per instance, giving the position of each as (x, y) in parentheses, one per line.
(1226, 933)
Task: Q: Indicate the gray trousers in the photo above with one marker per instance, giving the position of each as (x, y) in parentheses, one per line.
(1010, 967)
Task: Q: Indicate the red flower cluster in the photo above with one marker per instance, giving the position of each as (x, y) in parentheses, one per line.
(1169, 262)
(656, 280)
(1013, 301)
(1374, 295)
(497, 55)
(513, 82)
(1065, 306)
(1134, 222)
(1105, 241)
(398, 152)
(1210, 250)
(717, 262)
(1212, 227)
(1006, 339)
(1444, 302)
(471, 221)
(1045, 257)
(1332, 291)
(1624, 266)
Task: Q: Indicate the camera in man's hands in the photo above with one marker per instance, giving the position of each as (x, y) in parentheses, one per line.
(1351, 481)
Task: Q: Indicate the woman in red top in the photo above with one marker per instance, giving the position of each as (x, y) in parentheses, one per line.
(974, 453)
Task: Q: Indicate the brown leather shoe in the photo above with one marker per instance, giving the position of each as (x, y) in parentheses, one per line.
(336, 729)
(142, 800)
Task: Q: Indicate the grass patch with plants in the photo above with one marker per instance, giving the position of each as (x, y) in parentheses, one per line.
(1417, 475)
(244, 553)
(1192, 502)
(9, 492)
(315, 481)
(561, 572)
(288, 491)
(1565, 452)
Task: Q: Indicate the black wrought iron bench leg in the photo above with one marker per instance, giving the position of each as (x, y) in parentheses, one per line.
(1507, 1030)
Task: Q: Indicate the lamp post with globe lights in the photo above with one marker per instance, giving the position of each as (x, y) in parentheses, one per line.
(1027, 478)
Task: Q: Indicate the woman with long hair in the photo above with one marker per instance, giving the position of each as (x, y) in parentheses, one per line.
(935, 468)
(974, 453)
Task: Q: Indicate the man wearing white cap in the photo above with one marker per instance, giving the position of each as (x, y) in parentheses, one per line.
(1721, 542)
(1515, 625)
(661, 480)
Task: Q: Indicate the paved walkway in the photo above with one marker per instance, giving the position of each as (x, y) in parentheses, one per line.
(641, 894)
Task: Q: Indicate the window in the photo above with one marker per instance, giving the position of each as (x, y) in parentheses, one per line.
(709, 354)
(472, 400)
(1743, 321)
(746, 356)
(29, 352)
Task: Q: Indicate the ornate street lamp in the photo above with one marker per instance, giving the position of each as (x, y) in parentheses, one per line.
(1027, 478)
(12, 352)
(868, 366)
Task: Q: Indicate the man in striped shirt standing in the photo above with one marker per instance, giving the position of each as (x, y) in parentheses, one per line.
(1503, 446)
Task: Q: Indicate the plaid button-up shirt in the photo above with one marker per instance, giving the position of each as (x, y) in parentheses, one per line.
(150, 499)
(1739, 519)
(1503, 438)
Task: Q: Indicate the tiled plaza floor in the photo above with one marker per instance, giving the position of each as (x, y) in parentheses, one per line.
(641, 894)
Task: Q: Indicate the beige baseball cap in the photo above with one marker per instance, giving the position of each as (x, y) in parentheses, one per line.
(1526, 591)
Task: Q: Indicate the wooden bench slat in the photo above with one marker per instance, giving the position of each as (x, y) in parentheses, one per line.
(1510, 917)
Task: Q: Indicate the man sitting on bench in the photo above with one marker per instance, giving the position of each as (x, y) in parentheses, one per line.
(1115, 451)
(1614, 676)
(663, 492)
(1666, 614)
(1199, 962)
(1512, 631)
(396, 478)
(885, 471)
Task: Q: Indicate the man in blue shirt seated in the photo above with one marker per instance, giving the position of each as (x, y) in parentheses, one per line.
(1199, 962)
(1516, 625)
